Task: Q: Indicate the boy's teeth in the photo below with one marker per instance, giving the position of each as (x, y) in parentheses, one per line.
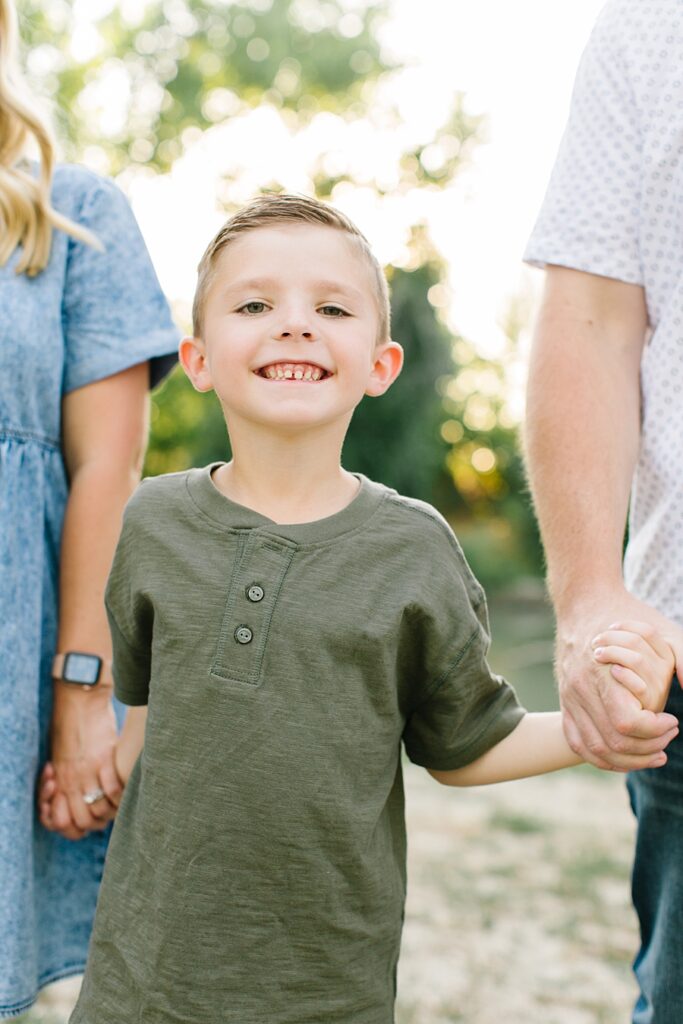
(293, 371)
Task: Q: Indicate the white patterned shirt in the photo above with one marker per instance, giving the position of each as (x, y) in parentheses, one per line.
(614, 207)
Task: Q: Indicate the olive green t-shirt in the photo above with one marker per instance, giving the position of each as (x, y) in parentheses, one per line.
(256, 873)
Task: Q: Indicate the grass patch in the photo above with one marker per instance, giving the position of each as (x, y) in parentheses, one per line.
(520, 824)
(594, 865)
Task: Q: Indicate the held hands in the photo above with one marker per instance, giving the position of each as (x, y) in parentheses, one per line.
(613, 689)
(640, 659)
(54, 808)
(79, 789)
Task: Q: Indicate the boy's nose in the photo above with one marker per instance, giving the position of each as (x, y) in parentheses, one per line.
(293, 330)
(296, 320)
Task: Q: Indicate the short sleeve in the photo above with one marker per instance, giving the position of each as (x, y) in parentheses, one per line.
(469, 711)
(131, 621)
(114, 313)
(590, 217)
(461, 708)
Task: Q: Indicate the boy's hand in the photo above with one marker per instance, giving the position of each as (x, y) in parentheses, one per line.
(130, 742)
(124, 759)
(640, 659)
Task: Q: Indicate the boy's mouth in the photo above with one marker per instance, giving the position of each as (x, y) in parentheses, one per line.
(293, 371)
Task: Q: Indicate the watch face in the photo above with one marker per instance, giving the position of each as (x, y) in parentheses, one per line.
(82, 668)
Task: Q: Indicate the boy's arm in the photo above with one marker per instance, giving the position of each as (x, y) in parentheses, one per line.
(130, 742)
(639, 658)
(537, 745)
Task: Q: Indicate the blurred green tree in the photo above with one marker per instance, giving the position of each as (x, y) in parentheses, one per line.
(489, 500)
(135, 84)
(400, 433)
(160, 67)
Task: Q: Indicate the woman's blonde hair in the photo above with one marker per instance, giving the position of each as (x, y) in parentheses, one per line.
(26, 214)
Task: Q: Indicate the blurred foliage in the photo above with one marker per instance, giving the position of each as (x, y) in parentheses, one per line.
(397, 438)
(139, 81)
(188, 429)
(492, 508)
(135, 84)
(178, 65)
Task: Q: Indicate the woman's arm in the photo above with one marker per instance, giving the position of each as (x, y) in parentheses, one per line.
(104, 430)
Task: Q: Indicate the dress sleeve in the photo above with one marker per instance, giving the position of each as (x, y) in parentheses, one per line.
(131, 621)
(463, 709)
(590, 217)
(114, 313)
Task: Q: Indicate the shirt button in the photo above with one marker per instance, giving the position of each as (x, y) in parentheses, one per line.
(243, 635)
(255, 592)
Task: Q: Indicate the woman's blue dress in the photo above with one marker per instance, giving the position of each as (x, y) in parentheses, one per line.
(88, 315)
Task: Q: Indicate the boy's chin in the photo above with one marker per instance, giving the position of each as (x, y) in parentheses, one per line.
(298, 423)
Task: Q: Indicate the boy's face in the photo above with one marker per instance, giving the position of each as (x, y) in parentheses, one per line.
(290, 330)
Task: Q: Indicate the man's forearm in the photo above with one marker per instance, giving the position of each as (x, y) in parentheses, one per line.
(583, 430)
(583, 424)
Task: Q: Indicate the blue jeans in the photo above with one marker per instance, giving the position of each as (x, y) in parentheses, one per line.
(657, 801)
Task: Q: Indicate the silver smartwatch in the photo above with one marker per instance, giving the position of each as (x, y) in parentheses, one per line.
(80, 669)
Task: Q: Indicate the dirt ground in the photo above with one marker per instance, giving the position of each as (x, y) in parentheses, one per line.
(518, 905)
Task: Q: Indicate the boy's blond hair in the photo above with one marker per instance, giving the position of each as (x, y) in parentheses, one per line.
(268, 210)
(27, 217)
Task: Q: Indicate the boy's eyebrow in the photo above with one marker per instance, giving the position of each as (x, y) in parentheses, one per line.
(337, 286)
(257, 283)
(266, 283)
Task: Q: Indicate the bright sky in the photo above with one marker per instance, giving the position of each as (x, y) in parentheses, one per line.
(515, 62)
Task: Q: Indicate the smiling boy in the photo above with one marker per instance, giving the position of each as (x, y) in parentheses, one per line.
(290, 625)
(291, 329)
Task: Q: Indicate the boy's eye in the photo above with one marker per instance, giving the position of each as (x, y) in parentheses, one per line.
(252, 307)
(333, 311)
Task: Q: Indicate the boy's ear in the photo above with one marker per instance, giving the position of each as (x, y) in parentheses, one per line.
(388, 361)
(192, 357)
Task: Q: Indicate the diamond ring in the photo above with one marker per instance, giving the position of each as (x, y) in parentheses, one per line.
(92, 796)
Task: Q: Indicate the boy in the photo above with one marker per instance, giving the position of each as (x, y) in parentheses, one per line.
(288, 625)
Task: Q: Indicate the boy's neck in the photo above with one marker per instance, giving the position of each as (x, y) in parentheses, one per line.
(288, 483)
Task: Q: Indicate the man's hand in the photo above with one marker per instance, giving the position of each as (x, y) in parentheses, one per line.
(604, 720)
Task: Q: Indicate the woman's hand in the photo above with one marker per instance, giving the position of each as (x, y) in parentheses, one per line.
(83, 745)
